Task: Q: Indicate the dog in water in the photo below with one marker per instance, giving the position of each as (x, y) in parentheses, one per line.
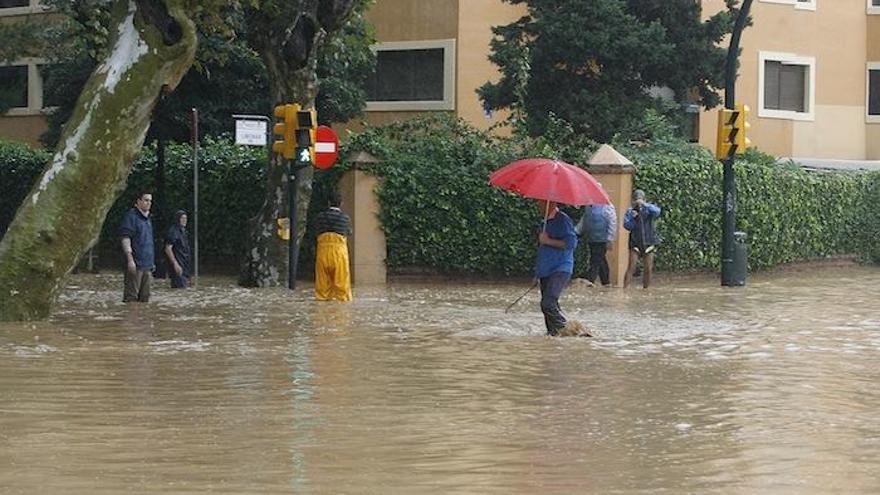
(574, 328)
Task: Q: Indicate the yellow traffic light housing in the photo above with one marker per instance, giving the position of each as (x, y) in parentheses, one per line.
(726, 120)
(285, 130)
(307, 125)
(742, 127)
(732, 130)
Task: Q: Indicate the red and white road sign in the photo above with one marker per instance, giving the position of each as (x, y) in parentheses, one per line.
(326, 147)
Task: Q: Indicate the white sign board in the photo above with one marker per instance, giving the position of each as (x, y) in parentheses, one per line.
(250, 132)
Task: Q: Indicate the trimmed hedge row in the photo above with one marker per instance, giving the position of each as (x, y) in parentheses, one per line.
(789, 214)
(439, 213)
(19, 168)
(231, 188)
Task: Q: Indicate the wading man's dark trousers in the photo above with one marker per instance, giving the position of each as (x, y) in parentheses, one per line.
(598, 263)
(551, 289)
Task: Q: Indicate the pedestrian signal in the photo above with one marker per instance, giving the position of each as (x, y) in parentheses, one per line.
(307, 125)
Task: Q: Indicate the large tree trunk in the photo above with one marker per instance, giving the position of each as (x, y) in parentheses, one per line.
(153, 46)
(288, 43)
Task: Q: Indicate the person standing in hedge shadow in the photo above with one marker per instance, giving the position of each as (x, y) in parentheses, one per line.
(177, 251)
(599, 225)
(643, 239)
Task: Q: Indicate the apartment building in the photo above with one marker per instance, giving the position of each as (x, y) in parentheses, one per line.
(21, 81)
(809, 71)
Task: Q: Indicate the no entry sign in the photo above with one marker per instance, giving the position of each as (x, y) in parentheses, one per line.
(326, 147)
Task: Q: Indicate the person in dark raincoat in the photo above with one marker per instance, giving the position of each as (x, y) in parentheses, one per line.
(643, 238)
(177, 251)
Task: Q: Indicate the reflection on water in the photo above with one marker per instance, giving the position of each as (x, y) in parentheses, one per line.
(421, 388)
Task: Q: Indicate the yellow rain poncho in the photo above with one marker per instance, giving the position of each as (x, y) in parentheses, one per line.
(332, 275)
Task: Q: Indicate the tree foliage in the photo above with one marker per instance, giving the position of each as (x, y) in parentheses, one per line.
(593, 62)
(228, 77)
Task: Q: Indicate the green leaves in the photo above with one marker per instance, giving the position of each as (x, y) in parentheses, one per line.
(592, 62)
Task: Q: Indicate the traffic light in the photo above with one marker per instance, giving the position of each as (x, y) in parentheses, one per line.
(742, 126)
(307, 124)
(286, 130)
(732, 130)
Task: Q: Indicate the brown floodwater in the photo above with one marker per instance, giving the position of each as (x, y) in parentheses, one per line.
(430, 387)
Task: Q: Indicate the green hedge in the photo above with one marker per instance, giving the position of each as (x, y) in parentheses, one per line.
(20, 167)
(438, 211)
(231, 190)
(231, 185)
(789, 214)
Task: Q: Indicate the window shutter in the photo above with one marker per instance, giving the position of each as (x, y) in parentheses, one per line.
(771, 84)
(874, 92)
(792, 88)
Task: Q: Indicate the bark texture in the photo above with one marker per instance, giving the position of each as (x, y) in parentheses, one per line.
(288, 44)
(153, 46)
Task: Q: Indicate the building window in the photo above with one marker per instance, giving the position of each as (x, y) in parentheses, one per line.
(873, 7)
(21, 87)
(786, 86)
(14, 86)
(798, 4)
(873, 92)
(413, 76)
(19, 7)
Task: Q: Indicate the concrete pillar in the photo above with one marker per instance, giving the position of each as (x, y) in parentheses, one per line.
(615, 172)
(366, 247)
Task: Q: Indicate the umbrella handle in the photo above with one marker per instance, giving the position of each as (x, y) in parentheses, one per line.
(546, 214)
(518, 299)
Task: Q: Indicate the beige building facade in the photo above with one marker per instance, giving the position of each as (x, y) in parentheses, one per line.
(22, 80)
(809, 75)
(809, 71)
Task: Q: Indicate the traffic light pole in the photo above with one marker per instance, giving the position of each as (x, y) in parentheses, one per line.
(728, 225)
(291, 216)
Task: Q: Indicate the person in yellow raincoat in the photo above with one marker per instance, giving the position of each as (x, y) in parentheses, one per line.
(332, 274)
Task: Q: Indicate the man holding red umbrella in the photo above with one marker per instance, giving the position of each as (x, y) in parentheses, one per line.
(554, 263)
(552, 182)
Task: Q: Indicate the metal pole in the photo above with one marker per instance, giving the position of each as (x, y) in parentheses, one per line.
(195, 159)
(728, 223)
(291, 217)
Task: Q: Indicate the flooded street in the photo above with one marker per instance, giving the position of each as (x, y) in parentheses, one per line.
(431, 388)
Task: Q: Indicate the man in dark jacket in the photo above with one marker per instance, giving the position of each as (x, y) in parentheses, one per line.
(643, 239)
(136, 231)
(177, 251)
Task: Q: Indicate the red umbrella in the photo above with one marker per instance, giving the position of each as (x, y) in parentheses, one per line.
(553, 180)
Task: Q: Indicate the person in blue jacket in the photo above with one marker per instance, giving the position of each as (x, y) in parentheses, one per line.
(136, 231)
(554, 263)
(599, 225)
(643, 239)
